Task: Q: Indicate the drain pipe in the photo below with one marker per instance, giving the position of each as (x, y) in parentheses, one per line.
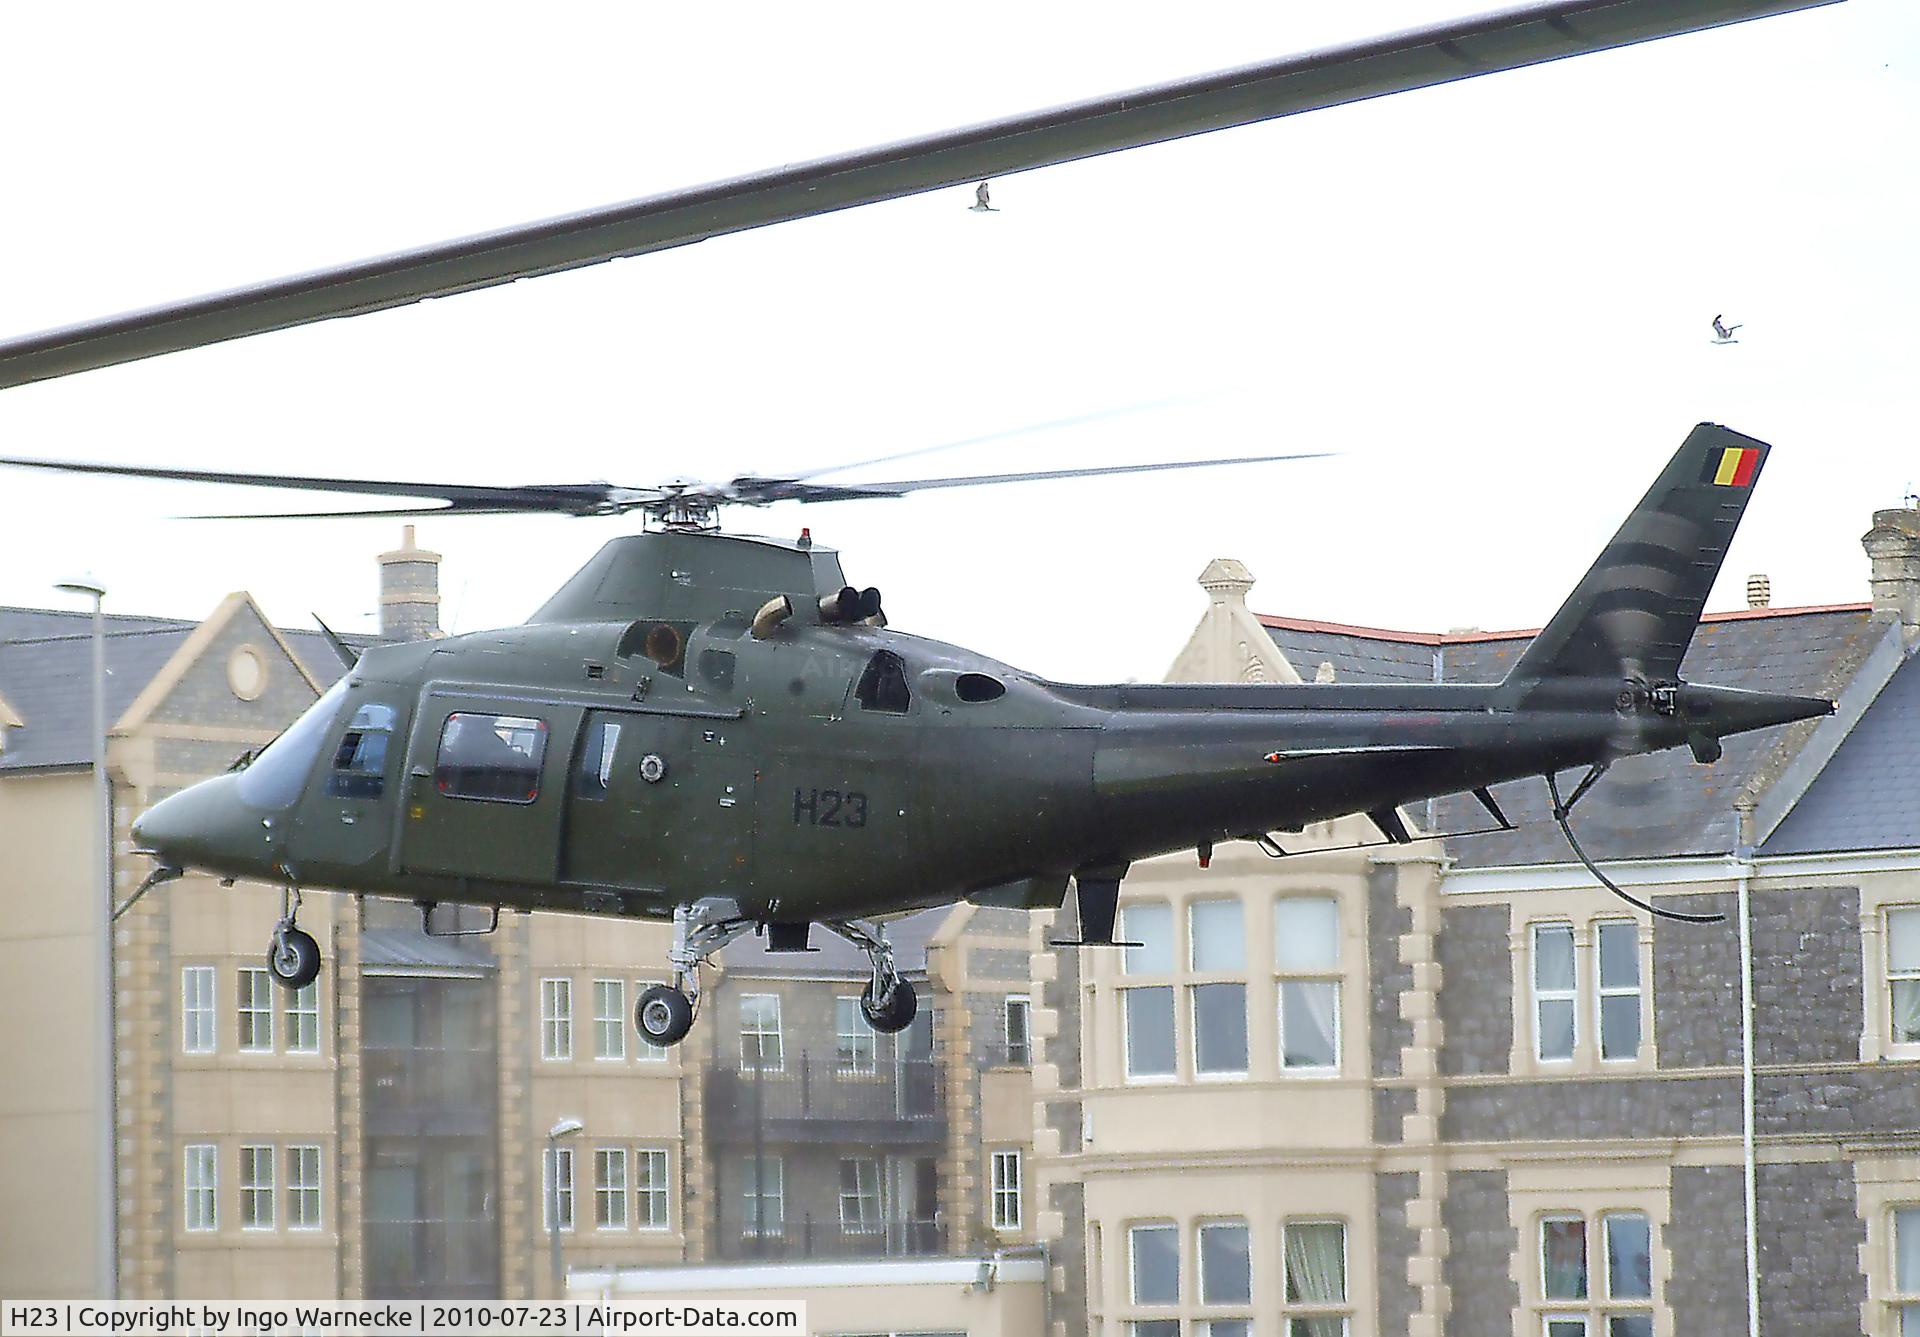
(1743, 877)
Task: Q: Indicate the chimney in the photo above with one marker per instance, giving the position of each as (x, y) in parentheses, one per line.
(409, 591)
(1894, 545)
(1759, 590)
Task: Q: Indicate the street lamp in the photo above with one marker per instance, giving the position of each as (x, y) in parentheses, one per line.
(566, 1128)
(106, 1268)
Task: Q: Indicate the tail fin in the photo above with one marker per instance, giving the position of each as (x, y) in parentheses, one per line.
(1634, 612)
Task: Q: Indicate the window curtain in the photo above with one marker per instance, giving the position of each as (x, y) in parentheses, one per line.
(1316, 1274)
(1906, 1011)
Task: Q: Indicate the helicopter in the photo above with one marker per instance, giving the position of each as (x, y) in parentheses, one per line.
(721, 730)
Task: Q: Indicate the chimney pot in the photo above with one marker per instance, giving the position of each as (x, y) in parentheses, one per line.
(1893, 544)
(409, 591)
(1759, 590)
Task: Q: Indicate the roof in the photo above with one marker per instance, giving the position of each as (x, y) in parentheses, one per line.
(1649, 806)
(1867, 797)
(46, 674)
(832, 956)
(410, 951)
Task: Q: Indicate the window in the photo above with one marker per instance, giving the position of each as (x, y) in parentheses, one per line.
(303, 1188)
(1217, 1009)
(275, 778)
(609, 1019)
(1610, 1294)
(1006, 1190)
(1154, 1264)
(883, 686)
(1555, 984)
(1019, 1030)
(202, 1186)
(256, 1011)
(853, 1038)
(644, 1050)
(1226, 1264)
(610, 1188)
(1306, 952)
(556, 1019)
(1619, 951)
(1903, 975)
(763, 1195)
(650, 1189)
(594, 778)
(860, 1195)
(760, 1043)
(196, 1011)
(1147, 1011)
(1316, 1278)
(360, 762)
(303, 1019)
(492, 757)
(1906, 1269)
(256, 1188)
(556, 1161)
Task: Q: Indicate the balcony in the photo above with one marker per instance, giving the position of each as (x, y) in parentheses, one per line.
(419, 1092)
(808, 1237)
(827, 1101)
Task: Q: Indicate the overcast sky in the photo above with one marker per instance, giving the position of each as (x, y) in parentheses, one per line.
(1491, 298)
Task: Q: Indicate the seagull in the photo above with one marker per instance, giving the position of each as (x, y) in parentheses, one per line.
(980, 204)
(1723, 333)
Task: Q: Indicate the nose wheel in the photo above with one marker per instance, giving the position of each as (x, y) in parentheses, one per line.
(664, 1015)
(293, 957)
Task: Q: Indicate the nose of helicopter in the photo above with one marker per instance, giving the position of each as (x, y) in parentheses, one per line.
(204, 826)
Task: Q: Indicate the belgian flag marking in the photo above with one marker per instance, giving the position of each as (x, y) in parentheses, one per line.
(1731, 466)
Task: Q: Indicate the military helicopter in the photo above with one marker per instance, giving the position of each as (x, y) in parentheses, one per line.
(721, 730)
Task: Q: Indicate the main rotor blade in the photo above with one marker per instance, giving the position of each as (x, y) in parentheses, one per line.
(809, 492)
(1507, 39)
(567, 499)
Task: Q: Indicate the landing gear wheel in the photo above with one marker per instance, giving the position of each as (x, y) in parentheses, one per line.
(663, 1015)
(892, 1013)
(294, 958)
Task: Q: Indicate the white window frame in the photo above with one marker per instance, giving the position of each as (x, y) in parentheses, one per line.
(1603, 991)
(302, 1008)
(860, 1221)
(1021, 1005)
(199, 1014)
(1342, 1308)
(1007, 1187)
(200, 1188)
(1600, 1303)
(610, 1198)
(257, 1190)
(1900, 1299)
(1334, 975)
(1536, 995)
(651, 1188)
(555, 1157)
(609, 1020)
(556, 1019)
(856, 1047)
(1895, 1045)
(304, 1200)
(761, 1033)
(1200, 977)
(1172, 993)
(254, 1001)
(1134, 1229)
(1227, 1311)
(775, 1221)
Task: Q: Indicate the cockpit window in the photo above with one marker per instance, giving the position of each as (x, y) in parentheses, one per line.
(360, 762)
(275, 778)
(491, 757)
(883, 687)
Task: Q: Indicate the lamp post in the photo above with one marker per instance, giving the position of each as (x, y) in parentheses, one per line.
(566, 1128)
(107, 1263)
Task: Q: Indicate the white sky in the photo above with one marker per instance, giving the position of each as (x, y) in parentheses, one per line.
(1492, 297)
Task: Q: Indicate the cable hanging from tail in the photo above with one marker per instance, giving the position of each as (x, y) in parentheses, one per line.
(1560, 811)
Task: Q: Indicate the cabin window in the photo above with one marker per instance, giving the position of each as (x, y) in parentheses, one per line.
(974, 688)
(595, 774)
(883, 687)
(492, 757)
(360, 762)
(277, 775)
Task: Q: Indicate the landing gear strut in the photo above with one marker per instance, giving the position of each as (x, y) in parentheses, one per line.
(293, 957)
(888, 1002)
(664, 1013)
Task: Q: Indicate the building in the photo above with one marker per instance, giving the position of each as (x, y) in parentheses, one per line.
(1457, 1087)
(384, 1134)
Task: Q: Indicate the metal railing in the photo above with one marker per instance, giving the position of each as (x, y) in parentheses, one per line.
(809, 1237)
(813, 1097)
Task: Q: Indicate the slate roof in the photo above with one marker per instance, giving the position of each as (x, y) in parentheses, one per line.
(1647, 807)
(46, 673)
(835, 958)
(1867, 797)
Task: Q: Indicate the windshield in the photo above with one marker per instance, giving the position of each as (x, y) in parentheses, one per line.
(275, 778)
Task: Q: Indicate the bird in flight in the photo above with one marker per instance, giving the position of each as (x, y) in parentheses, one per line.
(1723, 333)
(980, 204)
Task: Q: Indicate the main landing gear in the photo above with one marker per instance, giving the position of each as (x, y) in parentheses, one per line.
(664, 1013)
(293, 957)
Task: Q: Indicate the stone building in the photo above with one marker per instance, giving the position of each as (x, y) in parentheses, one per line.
(1457, 1087)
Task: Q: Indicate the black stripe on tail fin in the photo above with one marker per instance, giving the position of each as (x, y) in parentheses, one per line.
(1634, 613)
